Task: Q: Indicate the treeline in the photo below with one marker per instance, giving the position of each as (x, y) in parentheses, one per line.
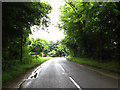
(46, 48)
(92, 29)
(17, 18)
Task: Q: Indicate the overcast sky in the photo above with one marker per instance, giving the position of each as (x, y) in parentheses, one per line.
(54, 33)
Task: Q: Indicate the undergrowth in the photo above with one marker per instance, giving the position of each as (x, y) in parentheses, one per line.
(13, 68)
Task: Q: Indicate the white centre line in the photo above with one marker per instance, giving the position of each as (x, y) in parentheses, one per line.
(72, 79)
(75, 83)
(62, 67)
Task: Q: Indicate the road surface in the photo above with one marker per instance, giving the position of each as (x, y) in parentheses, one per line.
(61, 73)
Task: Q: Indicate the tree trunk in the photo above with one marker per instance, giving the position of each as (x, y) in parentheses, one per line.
(21, 41)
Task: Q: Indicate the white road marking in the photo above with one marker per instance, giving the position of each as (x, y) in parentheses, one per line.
(62, 67)
(72, 79)
(75, 83)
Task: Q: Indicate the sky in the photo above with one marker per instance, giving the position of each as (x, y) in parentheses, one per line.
(54, 33)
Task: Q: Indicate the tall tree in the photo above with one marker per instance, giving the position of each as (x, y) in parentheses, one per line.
(17, 19)
(92, 26)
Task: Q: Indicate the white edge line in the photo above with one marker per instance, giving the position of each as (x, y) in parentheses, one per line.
(75, 83)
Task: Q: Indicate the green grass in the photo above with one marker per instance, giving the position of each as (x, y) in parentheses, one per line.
(13, 68)
(108, 65)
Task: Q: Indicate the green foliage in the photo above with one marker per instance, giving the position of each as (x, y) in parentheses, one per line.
(91, 29)
(17, 19)
(48, 48)
(42, 44)
(57, 49)
(52, 53)
(62, 48)
(13, 68)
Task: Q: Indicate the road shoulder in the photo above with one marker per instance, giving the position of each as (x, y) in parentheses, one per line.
(107, 73)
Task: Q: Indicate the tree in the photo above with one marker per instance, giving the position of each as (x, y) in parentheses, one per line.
(92, 26)
(62, 49)
(42, 44)
(17, 20)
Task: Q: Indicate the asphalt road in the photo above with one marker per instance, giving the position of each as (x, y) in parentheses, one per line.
(60, 73)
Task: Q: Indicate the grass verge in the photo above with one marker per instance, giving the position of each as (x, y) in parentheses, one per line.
(13, 68)
(108, 65)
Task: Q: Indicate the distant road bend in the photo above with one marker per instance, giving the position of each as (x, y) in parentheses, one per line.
(61, 73)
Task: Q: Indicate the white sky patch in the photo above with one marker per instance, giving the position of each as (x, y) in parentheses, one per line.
(54, 33)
